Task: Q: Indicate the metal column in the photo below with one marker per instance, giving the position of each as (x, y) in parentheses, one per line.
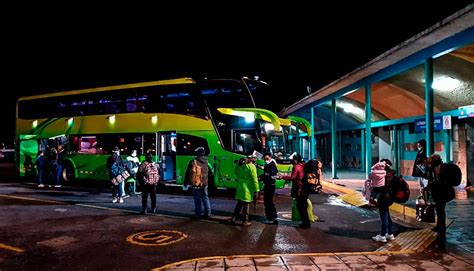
(368, 130)
(362, 150)
(333, 139)
(447, 144)
(312, 155)
(429, 106)
(395, 145)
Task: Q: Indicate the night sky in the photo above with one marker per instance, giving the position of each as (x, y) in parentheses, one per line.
(288, 47)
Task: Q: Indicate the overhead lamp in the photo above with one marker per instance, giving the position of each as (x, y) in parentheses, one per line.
(445, 83)
(34, 123)
(154, 119)
(111, 119)
(70, 121)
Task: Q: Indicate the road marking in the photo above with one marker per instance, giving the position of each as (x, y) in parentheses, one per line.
(156, 238)
(31, 199)
(370, 220)
(16, 249)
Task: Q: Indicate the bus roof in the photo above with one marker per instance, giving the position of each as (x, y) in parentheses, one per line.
(185, 80)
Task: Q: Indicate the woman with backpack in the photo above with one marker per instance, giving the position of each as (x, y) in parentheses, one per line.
(149, 176)
(384, 200)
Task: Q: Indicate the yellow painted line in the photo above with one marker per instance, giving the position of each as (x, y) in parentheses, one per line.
(280, 255)
(162, 238)
(16, 249)
(31, 199)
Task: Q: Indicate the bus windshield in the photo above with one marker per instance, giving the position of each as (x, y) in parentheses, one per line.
(275, 142)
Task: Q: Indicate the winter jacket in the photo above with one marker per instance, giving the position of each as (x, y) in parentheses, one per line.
(377, 175)
(269, 173)
(206, 173)
(420, 161)
(297, 175)
(247, 182)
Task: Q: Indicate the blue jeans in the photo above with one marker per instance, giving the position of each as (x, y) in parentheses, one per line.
(386, 220)
(59, 172)
(201, 195)
(117, 191)
(40, 175)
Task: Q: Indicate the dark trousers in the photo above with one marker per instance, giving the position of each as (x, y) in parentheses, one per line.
(268, 193)
(441, 224)
(148, 190)
(302, 206)
(244, 206)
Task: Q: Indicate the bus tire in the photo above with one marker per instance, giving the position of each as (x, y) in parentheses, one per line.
(69, 173)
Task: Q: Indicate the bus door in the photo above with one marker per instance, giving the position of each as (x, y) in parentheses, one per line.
(167, 153)
(28, 148)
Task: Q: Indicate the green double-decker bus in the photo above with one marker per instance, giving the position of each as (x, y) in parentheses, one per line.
(169, 118)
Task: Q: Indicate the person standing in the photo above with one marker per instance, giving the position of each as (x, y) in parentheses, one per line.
(419, 166)
(116, 168)
(198, 174)
(133, 165)
(384, 199)
(268, 177)
(40, 164)
(148, 174)
(439, 189)
(247, 186)
(297, 191)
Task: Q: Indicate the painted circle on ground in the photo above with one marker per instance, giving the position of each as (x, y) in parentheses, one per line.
(156, 238)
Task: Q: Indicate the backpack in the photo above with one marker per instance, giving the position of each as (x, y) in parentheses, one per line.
(151, 176)
(195, 174)
(399, 190)
(451, 174)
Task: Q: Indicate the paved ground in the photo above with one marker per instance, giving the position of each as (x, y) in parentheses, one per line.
(74, 228)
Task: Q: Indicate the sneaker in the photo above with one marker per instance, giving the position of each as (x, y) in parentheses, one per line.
(121, 200)
(232, 221)
(380, 238)
(246, 223)
(58, 185)
(114, 200)
(40, 185)
(270, 222)
(153, 211)
(389, 237)
(126, 196)
(144, 212)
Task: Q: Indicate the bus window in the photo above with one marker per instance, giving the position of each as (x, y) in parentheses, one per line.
(188, 143)
(245, 141)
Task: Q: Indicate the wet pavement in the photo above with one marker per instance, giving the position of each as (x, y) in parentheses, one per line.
(77, 228)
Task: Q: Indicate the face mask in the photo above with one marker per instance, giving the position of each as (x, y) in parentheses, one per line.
(420, 148)
(267, 161)
(134, 155)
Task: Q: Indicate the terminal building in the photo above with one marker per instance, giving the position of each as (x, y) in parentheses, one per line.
(421, 89)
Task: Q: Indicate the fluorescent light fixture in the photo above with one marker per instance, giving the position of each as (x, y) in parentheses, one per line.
(70, 121)
(34, 123)
(111, 119)
(154, 119)
(269, 126)
(350, 108)
(445, 83)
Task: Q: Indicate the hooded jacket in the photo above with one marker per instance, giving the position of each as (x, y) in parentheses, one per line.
(377, 175)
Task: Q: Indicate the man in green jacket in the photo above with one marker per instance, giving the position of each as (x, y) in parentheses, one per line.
(247, 186)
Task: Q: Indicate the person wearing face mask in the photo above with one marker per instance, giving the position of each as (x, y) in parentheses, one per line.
(419, 167)
(133, 165)
(268, 177)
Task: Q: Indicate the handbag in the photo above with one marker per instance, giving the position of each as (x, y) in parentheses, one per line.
(425, 212)
(125, 175)
(117, 180)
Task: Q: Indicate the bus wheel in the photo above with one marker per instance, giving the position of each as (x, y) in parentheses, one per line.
(68, 173)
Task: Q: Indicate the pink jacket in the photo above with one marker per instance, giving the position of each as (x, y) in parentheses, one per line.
(377, 175)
